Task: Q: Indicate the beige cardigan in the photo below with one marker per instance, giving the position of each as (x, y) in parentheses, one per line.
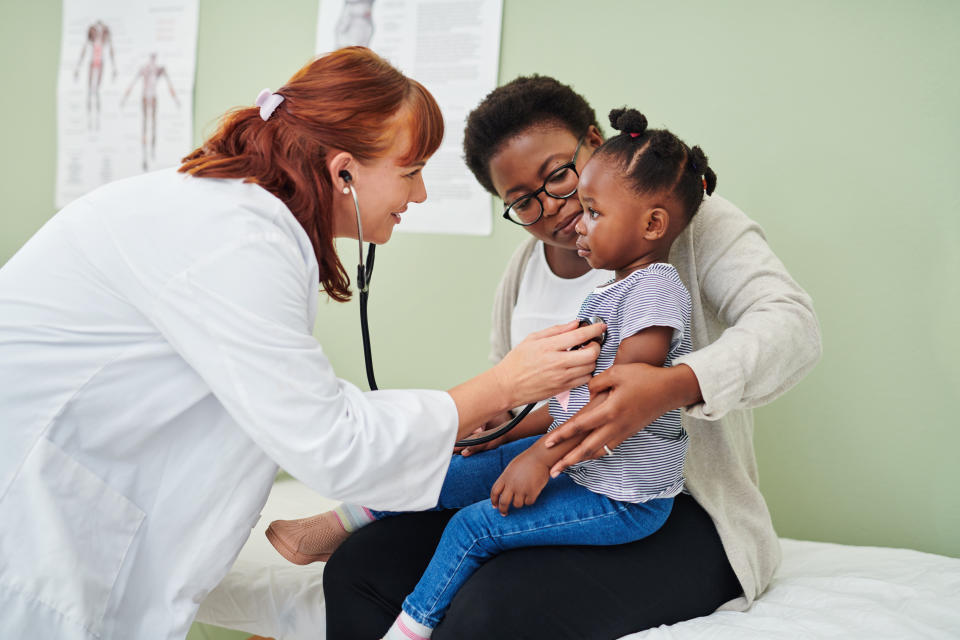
(755, 335)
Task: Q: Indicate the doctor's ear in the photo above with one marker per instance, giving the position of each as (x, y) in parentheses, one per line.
(342, 167)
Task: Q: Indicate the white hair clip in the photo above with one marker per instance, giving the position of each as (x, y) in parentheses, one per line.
(268, 101)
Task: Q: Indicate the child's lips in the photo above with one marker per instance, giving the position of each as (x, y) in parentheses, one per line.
(582, 249)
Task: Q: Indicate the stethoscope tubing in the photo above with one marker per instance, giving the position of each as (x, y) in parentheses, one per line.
(364, 275)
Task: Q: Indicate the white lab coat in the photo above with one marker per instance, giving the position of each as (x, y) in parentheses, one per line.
(156, 364)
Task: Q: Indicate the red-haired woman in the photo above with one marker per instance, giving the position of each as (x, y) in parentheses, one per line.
(157, 361)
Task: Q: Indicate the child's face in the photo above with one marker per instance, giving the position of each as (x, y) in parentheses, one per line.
(618, 228)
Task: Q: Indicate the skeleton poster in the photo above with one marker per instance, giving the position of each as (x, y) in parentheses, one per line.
(125, 90)
(453, 49)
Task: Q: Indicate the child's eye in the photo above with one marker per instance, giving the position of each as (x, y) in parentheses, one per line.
(594, 214)
(412, 173)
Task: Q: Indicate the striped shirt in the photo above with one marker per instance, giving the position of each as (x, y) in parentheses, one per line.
(648, 464)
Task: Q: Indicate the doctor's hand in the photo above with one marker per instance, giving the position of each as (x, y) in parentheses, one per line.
(623, 400)
(543, 365)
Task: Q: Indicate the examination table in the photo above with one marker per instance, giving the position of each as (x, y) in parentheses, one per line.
(821, 590)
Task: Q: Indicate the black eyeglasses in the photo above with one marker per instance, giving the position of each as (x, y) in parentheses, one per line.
(560, 184)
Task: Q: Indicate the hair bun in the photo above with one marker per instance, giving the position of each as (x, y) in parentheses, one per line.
(698, 160)
(628, 121)
(700, 164)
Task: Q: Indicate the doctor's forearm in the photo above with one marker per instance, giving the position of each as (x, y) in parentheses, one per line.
(478, 400)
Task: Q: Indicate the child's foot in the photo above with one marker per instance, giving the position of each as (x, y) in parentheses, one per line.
(307, 540)
(406, 628)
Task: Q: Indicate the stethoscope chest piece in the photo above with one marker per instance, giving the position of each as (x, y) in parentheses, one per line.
(600, 339)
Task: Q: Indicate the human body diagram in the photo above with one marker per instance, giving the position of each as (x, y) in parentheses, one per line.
(98, 39)
(150, 73)
(355, 26)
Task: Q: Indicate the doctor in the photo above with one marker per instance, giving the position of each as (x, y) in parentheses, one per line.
(157, 362)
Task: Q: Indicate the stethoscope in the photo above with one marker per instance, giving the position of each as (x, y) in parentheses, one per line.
(365, 273)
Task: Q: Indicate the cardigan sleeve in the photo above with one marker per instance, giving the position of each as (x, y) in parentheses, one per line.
(505, 300)
(772, 336)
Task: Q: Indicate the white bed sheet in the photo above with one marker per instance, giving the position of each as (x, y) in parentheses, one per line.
(821, 590)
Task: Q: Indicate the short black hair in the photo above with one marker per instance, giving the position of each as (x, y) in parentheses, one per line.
(520, 104)
(655, 160)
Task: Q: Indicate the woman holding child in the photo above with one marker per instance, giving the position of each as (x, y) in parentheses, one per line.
(717, 547)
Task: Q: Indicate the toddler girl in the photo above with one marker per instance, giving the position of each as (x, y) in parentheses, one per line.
(639, 191)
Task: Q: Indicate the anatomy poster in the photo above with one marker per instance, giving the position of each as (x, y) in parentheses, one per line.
(451, 47)
(125, 90)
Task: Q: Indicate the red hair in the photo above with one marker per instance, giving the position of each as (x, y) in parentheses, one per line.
(337, 102)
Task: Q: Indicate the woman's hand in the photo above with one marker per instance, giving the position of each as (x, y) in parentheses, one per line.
(520, 483)
(494, 423)
(543, 365)
(624, 399)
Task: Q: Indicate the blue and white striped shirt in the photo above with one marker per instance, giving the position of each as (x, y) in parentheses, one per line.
(648, 464)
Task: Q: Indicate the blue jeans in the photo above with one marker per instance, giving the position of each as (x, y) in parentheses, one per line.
(564, 514)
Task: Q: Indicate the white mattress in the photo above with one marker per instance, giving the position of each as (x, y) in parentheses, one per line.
(821, 591)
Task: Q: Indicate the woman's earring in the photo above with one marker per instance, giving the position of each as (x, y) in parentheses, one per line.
(346, 190)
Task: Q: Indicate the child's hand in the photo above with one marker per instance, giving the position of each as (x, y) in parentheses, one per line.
(520, 483)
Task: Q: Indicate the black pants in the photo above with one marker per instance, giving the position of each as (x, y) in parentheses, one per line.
(580, 593)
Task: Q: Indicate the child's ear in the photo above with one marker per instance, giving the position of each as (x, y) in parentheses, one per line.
(658, 221)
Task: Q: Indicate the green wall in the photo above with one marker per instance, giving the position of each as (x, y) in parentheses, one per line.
(834, 124)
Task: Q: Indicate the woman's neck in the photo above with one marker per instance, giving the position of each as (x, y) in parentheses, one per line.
(565, 263)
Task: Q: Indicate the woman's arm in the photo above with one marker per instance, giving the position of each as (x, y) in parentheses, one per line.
(524, 478)
(771, 341)
(771, 338)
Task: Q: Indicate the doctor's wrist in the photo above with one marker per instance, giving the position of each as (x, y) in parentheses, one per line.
(480, 399)
(503, 389)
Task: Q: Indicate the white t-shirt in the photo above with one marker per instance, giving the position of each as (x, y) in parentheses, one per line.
(546, 299)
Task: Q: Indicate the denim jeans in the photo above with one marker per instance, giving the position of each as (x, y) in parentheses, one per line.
(565, 513)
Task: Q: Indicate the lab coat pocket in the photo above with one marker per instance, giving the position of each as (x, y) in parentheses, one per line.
(65, 536)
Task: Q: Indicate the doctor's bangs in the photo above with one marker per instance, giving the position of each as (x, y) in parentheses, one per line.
(423, 116)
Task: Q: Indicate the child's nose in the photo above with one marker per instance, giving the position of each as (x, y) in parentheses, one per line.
(580, 228)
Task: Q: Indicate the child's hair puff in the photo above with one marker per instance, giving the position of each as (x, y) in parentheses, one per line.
(655, 160)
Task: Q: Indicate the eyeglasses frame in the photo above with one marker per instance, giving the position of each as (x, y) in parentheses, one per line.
(572, 165)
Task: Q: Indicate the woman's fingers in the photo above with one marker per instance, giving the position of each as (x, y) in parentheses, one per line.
(554, 330)
(464, 451)
(591, 448)
(569, 339)
(604, 381)
(593, 415)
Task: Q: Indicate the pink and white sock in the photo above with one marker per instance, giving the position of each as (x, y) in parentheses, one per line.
(406, 628)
